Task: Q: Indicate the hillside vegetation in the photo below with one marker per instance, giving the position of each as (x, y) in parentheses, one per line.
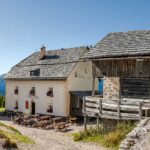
(110, 138)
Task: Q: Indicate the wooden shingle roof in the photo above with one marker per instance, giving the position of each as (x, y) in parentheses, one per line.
(121, 44)
(56, 65)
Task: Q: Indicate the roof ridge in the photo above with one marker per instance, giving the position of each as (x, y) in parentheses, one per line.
(129, 31)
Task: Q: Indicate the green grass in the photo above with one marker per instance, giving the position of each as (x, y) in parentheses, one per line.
(14, 135)
(110, 138)
(9, 127)
(2, 109)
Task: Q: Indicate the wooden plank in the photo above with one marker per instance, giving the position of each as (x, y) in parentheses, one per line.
(100, 107)
(111, 113)
(118, 108)
(96, 100)
(92, 105)
(140, 110)
(122, 107)
(114, 106)
(121, 118)
(91, 110)
(89, 98)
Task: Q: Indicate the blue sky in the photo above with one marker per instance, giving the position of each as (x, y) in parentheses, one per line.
(27, 24)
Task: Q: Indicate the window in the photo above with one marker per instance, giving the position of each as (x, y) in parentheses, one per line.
(16, 105)
(76, 74)
(35, 72)
(32, 91)
(50, 109)
(16, 91)
(50, 92)
(26, 104)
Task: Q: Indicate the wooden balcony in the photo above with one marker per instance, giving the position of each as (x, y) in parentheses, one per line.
(120, 109)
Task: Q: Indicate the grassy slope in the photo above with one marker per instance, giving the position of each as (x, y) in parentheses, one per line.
(14, 135)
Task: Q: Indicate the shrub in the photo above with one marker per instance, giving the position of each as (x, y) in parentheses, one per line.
(105, 136)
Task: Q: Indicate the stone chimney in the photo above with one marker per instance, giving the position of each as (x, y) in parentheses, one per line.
(43, 52)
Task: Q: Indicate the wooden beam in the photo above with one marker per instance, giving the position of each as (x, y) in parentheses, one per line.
(85, 121)
(140, 110)
(93, 87)
(118, 108)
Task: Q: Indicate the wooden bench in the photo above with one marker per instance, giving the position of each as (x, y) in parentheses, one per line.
(61, 126)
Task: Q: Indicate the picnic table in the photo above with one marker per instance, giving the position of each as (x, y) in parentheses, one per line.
(72, 120)
(58, 119)
(61, 126)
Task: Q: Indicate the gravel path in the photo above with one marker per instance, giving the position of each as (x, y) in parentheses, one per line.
(51, 140)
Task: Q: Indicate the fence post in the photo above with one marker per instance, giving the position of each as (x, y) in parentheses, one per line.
(140, 110)
(85, 121)
(84, 113)
(98, 121)
(118, 108)
(100, 107)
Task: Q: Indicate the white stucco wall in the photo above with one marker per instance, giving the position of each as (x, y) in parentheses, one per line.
(83, 81)
(42, 100)
(61, 100)
(80, 79)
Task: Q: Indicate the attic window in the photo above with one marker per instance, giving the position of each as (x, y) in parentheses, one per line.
(16, 91)
(50, 57)
(76, 75)
(50, 92)
(32, 91)
(35, 72)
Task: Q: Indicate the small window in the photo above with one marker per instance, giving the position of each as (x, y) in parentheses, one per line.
(35, 72)
(75, 74)
(26, 104)
(16, 91)
(50, 109)
(32, 91)
(50, 92)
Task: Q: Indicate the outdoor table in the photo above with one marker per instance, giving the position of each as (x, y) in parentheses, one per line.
(57, 119)
(60, 126)
(73, 120)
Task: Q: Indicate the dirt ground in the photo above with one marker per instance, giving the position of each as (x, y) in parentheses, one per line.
(52, 140)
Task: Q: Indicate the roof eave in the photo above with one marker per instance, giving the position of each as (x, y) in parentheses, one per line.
(121, 56)
(35, 79)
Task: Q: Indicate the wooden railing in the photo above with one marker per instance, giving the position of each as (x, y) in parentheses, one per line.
(127, 109)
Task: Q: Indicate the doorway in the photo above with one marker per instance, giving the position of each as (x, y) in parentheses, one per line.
(33, 108)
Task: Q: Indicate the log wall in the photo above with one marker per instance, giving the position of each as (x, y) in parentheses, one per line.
(121, 68)
(124, 78)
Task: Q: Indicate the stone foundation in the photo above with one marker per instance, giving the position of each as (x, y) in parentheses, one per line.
(111, 87)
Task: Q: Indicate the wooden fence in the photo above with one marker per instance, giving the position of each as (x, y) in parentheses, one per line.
(127, 109)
